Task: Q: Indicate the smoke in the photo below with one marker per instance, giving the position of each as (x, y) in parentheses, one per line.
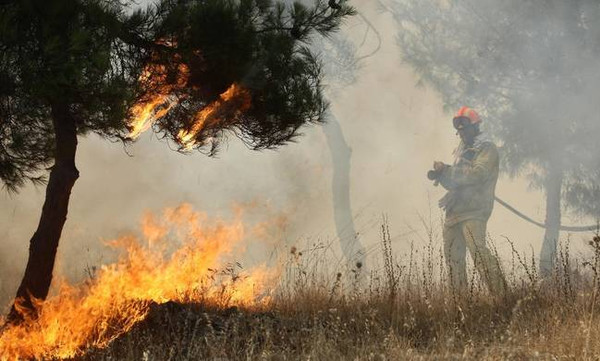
(530, 68)
(395, 128)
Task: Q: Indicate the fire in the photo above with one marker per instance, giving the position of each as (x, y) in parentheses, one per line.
(232, 102)
(146, 112)
(144, 115)
(95, 313)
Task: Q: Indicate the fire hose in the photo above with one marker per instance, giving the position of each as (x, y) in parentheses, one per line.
(432, 175)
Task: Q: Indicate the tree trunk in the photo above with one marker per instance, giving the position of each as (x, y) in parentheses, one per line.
(342, 210)
(553, 193)
(44, 243)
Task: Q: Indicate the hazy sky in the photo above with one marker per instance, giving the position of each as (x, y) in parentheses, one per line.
(395, 129)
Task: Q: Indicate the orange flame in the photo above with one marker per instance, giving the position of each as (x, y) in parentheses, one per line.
(231, 103)
(234, 100)
(146, 112)
(92, 315)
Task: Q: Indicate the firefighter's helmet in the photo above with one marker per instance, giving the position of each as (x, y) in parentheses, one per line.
(466, 113)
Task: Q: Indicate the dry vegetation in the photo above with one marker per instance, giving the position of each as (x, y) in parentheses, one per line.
(403, 312)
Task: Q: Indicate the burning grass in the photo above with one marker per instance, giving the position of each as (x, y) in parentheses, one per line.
(402, 310)
(94, 314)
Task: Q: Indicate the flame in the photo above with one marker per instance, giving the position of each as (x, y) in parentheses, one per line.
(235, 97)
(94, 314)
(231, 103)
(148, 111)
(145, 114)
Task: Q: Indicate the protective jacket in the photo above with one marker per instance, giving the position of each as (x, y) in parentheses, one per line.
(471, 183)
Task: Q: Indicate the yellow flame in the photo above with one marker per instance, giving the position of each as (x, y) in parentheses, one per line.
(94, 314)
(148, 111)
(144, 114)
(235, 99)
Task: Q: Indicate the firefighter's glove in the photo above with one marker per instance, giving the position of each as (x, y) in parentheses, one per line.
(436, 172)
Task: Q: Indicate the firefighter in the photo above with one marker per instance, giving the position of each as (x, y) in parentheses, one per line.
(470, 181)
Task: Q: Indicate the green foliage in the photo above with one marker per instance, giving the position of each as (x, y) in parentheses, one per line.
(529, 67)
(89, 55)
(259, 45)
(59, 51)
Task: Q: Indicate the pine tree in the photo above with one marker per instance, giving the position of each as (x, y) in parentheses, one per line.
(192, 71)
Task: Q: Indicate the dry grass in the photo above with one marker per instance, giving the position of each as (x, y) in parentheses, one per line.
(405, 311)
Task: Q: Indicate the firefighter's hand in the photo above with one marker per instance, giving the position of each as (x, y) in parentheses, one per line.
(438, 166)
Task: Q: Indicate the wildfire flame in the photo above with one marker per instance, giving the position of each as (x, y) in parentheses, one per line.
(231, 103)
(146, 112)
(94, 314)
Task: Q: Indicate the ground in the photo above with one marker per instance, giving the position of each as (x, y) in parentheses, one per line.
(404, 313)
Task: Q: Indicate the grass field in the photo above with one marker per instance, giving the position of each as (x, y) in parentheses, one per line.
(404, 311)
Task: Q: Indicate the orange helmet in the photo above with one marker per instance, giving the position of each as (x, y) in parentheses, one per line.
(466, 112)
